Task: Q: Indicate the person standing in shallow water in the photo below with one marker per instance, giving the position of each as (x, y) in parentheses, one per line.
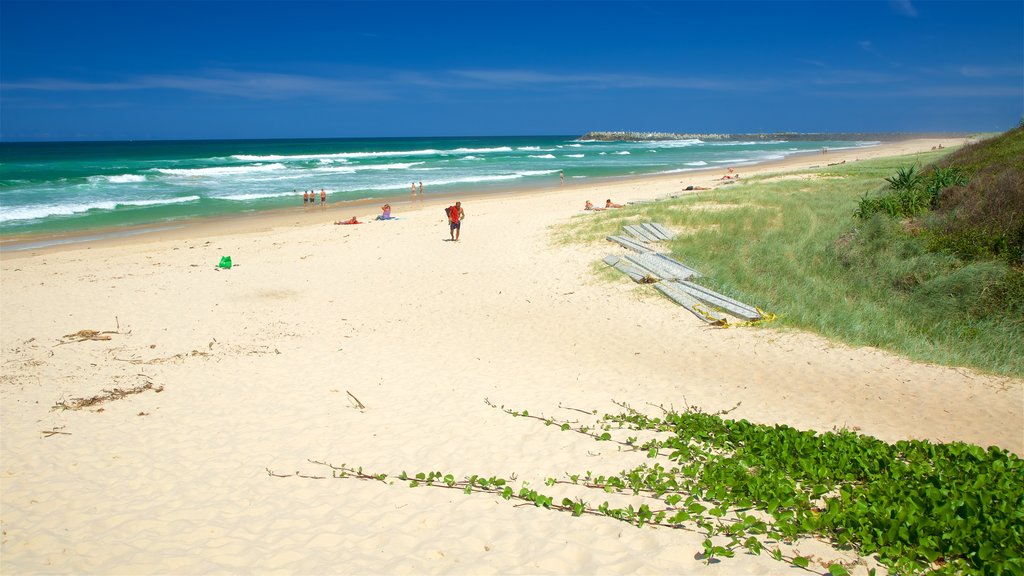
(455, 217)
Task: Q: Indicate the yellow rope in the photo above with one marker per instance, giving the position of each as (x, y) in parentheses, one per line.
(724, 323)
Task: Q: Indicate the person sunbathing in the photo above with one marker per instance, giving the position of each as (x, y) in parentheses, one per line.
(351, 220)
(590, 206)
(386, 215)
(609, 204)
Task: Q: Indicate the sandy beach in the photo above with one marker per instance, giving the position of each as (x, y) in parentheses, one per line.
(259, 368)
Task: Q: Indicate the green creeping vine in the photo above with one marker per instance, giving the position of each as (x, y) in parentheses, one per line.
(920, 507)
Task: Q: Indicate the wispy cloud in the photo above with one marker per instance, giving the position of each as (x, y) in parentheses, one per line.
(904, 7)
(531, 78)
(990, 71)
(375, 85)
(370, 85)
(257, 85)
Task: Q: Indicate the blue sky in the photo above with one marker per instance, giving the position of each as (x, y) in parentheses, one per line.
(262, 69)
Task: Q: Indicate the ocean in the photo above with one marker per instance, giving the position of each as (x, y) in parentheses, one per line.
(80, 187)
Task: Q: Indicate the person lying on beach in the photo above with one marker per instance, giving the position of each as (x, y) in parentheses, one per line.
(351, 220)
(386, 215)
(590, 206)
(609, 204)
(695, 188)
(726, 177)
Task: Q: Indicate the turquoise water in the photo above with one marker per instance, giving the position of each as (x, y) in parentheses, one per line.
(83, 186)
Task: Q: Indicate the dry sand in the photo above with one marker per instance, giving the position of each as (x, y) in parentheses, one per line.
(256, 366)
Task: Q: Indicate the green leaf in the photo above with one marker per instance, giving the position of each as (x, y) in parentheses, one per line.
(837, 570)
(801, 561)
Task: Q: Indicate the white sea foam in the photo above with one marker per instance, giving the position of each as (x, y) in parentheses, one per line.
(244, 197)
(343, 156)
(490, 177)
(43, 211)
(675, 143)
(119, 179)
(622, 152)
(481, 150)
(575, 155)
(353, 168)
(470, 157)
(749, 143)
(677, 170)
(220, 170)
(544, 156)
(731, 160)
(697, 163)
(290, 157)
(159, 202)
(859, 145)
(528, 148)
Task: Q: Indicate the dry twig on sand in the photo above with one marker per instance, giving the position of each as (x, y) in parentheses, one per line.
(108, 395)
(83, 335)
(54, 432)
(358, 403)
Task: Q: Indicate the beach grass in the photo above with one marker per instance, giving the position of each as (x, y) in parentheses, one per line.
(791, 246)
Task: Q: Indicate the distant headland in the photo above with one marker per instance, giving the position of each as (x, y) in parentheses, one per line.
(763, 136)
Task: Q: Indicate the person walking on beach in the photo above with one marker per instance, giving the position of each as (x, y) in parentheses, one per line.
(323, 198)
(455, 217)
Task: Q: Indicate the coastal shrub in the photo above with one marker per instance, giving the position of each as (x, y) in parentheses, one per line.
(910, 192)
(985, 218)
(981, 214)
(941, 179)
(918, 506)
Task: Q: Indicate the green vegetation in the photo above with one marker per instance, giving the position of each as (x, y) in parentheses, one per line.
(983, 218)
(943, 508)
(946, 286)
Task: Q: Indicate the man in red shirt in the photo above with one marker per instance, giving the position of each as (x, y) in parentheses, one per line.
(455, 216)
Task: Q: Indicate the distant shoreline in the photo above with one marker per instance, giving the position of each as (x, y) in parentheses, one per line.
(618, 136)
